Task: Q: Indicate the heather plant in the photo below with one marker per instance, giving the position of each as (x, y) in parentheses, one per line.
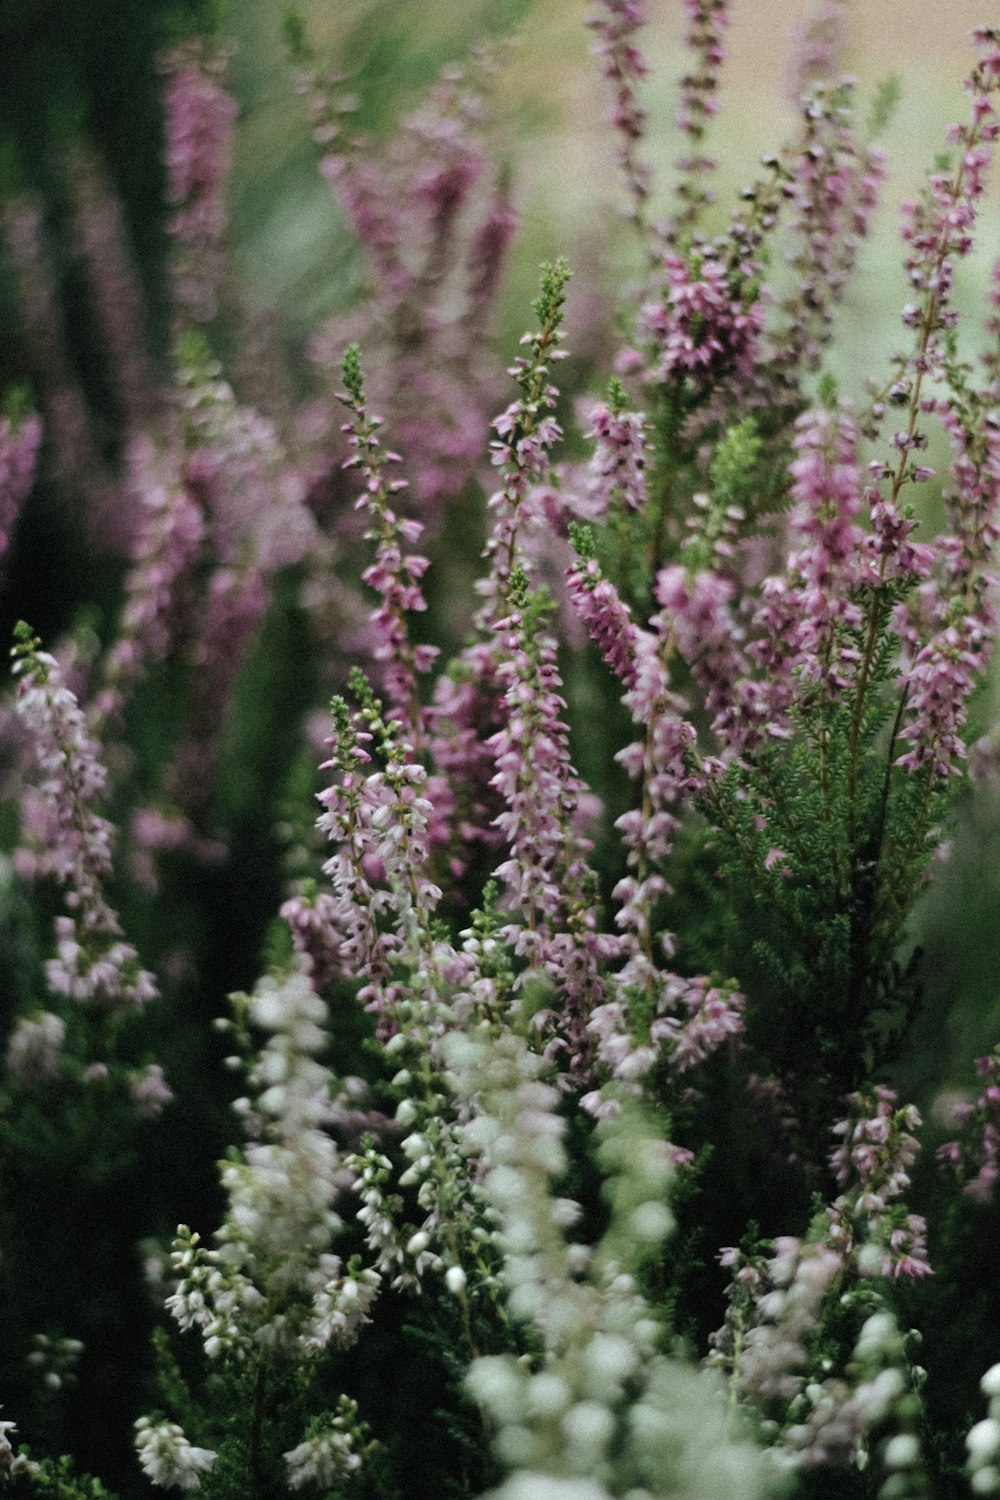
(572, 1157)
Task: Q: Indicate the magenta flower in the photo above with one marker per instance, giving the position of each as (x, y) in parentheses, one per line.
(704, 325)
(607, 619)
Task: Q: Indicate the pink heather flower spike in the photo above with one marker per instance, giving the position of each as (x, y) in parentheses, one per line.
(252, 504)
(545, 874)
(943, 668)
(469, 700)
(103, 242)
(706, 21)
(94, 964)
(871, 1163)
(826, 495)
(820, 42)
(616, 473)
(200, 118)
(526, 432)
(691, 1018)
(832, 188)
(20, 441)
(436, 238)
(607, 618)
(167, 546)
(617, 25)
(76, 465)
(395, 573)
(466, 710)
(377, 816)
(975, 1155)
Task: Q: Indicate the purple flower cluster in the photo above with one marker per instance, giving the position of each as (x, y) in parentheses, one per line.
(546, 875)
(975, 1154)
(701, 326)
(616, 472)
(395, 574)
(436, 229)
(827, 564)
(103, 244)
(167, 547)
(20, 440)
(793, 668)
(871, 1162)
(200, 118)
(605, 616)
(75, 467)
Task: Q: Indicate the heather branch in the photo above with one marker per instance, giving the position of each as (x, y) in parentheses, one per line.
(939, 229)
(395, 574)
(617, 24)
(699, 102)
(95, 963)
(526, 431)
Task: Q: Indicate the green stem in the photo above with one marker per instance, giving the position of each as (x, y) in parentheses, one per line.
(257, 1485)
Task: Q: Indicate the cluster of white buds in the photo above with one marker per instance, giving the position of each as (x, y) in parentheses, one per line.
(167, 1458)
(983, 1440)
(603, 1412)
(274, 1242)
(11, 1462)
(330, 1450)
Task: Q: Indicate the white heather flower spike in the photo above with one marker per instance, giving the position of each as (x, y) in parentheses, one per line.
(167, 1458)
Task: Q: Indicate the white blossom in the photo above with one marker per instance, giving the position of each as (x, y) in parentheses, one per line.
(327, 1454)
(167, 1458)
(34, 1046)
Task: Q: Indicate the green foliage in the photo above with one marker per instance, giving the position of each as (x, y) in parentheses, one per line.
(884, 104)
(17, 402)
(53, 1479)
(353, 380)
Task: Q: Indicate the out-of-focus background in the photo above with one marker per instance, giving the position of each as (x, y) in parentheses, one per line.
(551, 105)
(88, 65)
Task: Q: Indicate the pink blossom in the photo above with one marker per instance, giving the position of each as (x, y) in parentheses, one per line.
(975, 1155)
(394, 574)
(435, 238)
(616, 472)
(702, 327)
(20, 441)
(617, 24)
(200, 117)
(150, 1091)
(606, 617)
(167, 545)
